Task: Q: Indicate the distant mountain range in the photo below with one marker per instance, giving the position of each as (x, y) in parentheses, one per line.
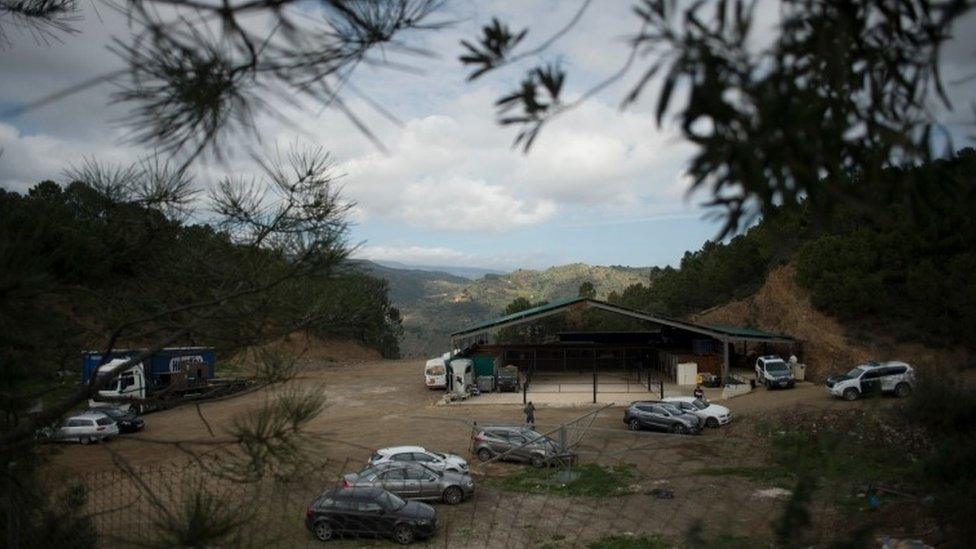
(470, 273)
(435, 302)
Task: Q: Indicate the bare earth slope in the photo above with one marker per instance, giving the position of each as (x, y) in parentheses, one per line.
(782, 305)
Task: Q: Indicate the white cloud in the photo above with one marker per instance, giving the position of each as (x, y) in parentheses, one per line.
(417, 255)
(444, 255)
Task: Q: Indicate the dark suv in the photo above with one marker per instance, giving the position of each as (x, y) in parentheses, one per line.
(663, 416)
(369, 512)
(518, 444)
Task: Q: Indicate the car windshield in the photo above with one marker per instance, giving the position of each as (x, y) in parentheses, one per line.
(856, 372)
(699, 403)
(436, 371)
(391, 502)
(104, 421)
(776, 366)
(442, 456)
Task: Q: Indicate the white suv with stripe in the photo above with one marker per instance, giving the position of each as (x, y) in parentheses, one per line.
(873, 377)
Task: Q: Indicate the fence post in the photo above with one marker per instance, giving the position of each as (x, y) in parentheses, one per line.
(525, 388)
(661, 383)
(594, 387)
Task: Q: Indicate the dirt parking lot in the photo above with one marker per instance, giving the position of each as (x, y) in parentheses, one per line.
(384, 403)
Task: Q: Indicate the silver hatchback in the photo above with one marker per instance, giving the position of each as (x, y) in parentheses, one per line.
(414, 481)
(84, 428)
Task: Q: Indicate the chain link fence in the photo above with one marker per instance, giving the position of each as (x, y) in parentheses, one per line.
(625, 489)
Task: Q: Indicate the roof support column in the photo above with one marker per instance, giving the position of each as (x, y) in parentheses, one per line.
(725, 360)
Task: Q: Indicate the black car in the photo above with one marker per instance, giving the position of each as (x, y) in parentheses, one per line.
(128, 420)
(369, 512)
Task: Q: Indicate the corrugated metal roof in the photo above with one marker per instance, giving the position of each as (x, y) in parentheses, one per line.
(714, 330)
(735, 331)
(521, 314)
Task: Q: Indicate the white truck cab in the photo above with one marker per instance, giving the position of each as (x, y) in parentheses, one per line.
(130, 384)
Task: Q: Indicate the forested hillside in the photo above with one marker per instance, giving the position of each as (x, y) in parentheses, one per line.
(76, 263)
(896, 260)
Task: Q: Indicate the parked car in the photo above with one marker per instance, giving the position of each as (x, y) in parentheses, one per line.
(663, 416)
(85, 427)
(369, 512)
(419, 454)
(871, 378)
(518, 444)
(772, 371)
(414, 481)
(713, 414)
(127, 420)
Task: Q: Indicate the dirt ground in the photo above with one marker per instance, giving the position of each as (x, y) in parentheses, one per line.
(380, 403)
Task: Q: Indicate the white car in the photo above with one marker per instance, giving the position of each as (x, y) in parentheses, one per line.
(713, 414)
(873, 377)
(419, 454)
(86, 427)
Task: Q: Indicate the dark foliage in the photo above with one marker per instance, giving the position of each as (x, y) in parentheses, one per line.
(844, 86)
(945, 408)
(900, 263)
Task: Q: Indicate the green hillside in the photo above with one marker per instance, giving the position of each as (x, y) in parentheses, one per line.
(433, 304)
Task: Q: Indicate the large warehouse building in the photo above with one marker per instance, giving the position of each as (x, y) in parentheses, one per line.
(659, 346)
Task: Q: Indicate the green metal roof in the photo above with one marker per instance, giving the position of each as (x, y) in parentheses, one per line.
(713, 330)
(521, 314)
(735, 331)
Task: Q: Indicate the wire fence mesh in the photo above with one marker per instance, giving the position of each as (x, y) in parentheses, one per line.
(624, 487)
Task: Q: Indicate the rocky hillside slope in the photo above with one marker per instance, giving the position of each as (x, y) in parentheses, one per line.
(782, 305)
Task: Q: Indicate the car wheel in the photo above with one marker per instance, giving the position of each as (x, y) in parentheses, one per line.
(484, 454)
(453, 495)
(323, 531)
(850, 394)
(538, 462)
(769, 386)
(711, 423)
(635, 425)
(84, 440)
(679, 429)
(902, 390)
(403, 534)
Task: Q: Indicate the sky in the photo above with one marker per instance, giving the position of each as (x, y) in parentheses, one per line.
(601, 185)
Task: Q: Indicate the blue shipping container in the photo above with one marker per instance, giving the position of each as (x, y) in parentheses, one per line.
(161, 363)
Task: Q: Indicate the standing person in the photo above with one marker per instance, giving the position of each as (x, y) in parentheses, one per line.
(699, 392)
(529, 414)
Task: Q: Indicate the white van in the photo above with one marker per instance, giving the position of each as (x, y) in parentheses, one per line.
(435, 374)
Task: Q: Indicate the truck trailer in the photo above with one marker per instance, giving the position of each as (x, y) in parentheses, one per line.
(160, 380)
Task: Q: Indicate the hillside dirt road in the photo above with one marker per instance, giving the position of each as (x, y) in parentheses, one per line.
(384, 403)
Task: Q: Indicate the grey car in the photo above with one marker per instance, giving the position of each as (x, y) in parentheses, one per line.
(414, 481)
(518, 444)
(662, 416)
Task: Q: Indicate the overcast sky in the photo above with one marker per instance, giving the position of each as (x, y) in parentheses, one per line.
(601, 185)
